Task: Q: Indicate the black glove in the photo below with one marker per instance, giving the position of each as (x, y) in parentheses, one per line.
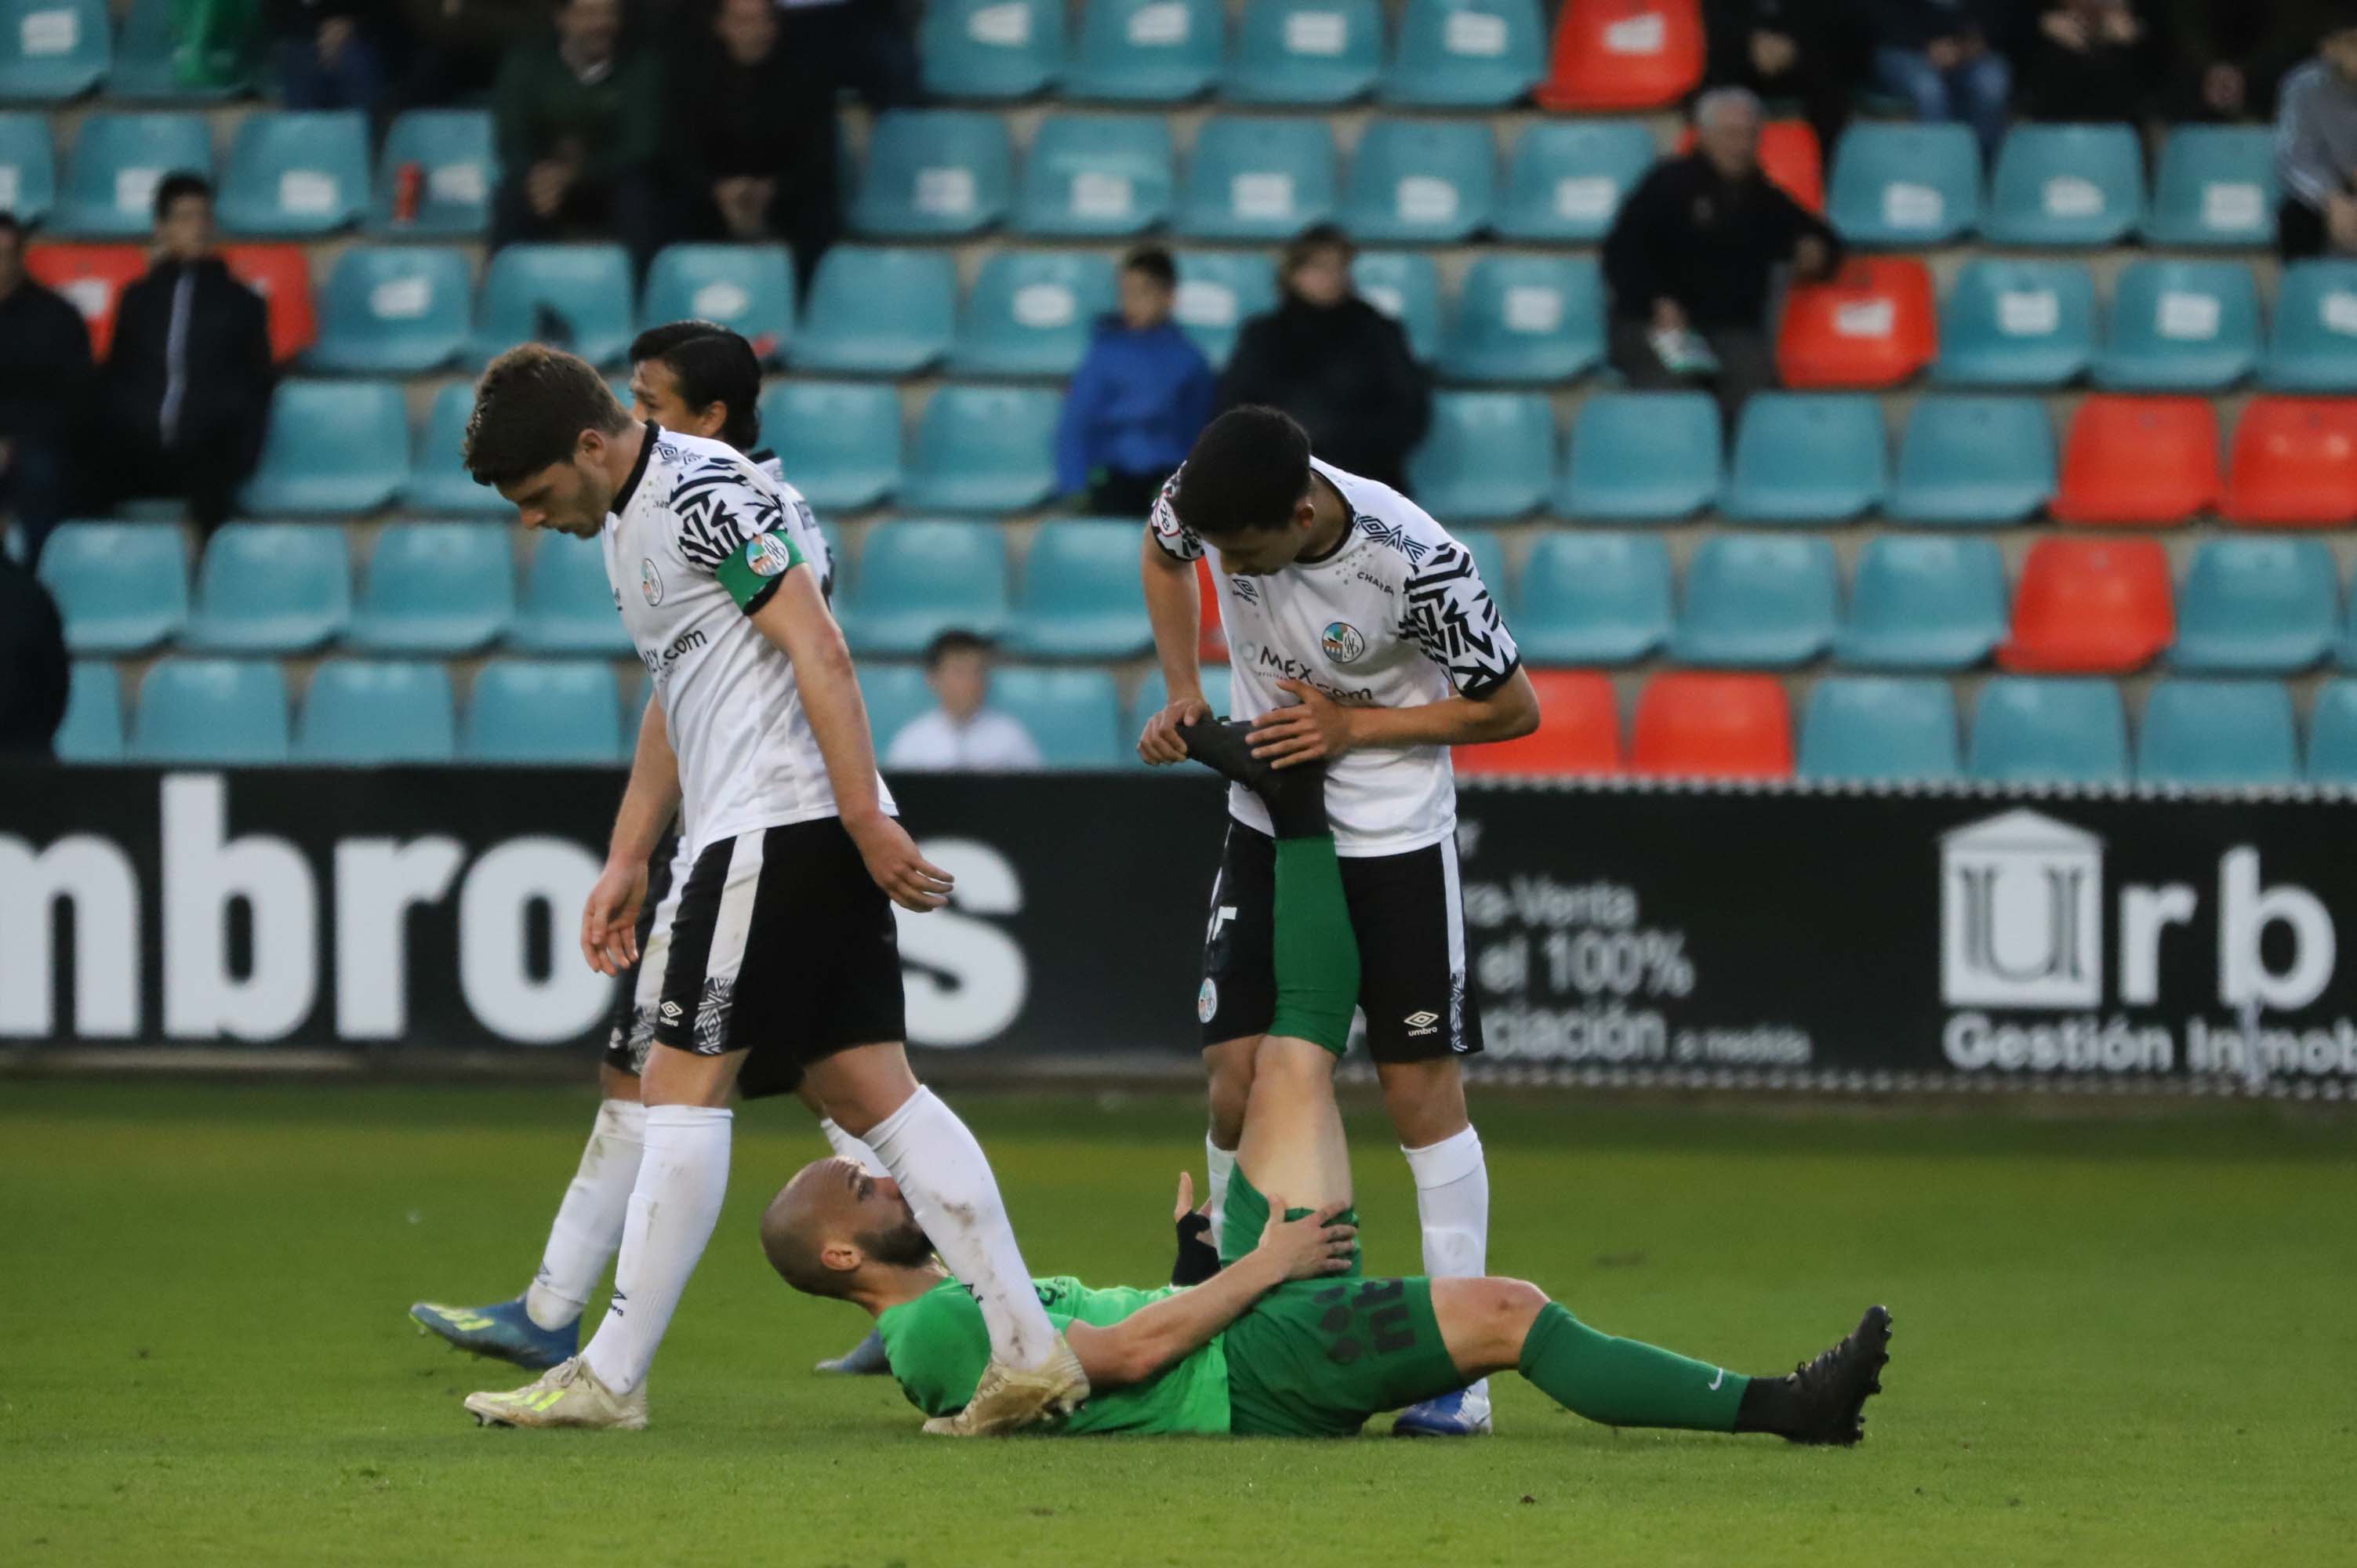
(1198, 1259)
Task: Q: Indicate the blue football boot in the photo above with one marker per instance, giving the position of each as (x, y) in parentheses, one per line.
(504, 1330)
(1465, 1414)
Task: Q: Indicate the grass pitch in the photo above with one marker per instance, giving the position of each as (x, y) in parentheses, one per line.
(2119, 1340)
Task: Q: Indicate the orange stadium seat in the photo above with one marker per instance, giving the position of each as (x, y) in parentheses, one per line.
(1210, 636)
(1872, 325)
(2139, 460)
(1578, 732)
(93, 278)
(2295, 464)
(1624, 54)
(1714, 726)
(281, 274)
(2090, 606)
(1789, 157)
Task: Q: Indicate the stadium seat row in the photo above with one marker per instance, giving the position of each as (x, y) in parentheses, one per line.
(52, 50)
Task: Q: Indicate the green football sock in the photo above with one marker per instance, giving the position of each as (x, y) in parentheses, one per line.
(1244, 1215)
(1316, 952)
(1625, 1382)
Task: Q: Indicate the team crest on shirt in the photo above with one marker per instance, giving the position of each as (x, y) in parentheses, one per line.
(1342, 642)
(650, 581)
(768, 556)
(1207, 1001)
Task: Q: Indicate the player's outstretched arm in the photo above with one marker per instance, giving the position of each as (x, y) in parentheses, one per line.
(609, 921)
(1174, 605)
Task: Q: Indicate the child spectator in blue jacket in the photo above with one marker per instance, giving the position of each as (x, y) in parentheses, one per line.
(1141, 396)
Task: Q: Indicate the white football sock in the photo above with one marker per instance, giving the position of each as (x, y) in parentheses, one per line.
(683, 1179)
(1220, 1164)
(946, 1179)
(850, 1148)
(1452, 1199)
(589, 1221)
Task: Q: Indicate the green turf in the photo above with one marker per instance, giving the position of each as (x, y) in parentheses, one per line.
(2119, 1340)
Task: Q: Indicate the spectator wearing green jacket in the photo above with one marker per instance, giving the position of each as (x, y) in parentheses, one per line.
(579, 120)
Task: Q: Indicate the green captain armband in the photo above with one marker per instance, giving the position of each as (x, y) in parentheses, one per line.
(750, 573)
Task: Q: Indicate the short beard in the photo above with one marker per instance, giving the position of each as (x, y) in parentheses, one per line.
(902, 1245)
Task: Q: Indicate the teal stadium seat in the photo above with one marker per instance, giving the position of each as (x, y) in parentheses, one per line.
(52, 50)
(332, 447)
(118, 159)
(2313, 347)
(839, 442)
(1074, 716)
(120, 588)
(393, 310)
(1757, 602)
(1874, 727)
(1974, 461)
(1466, 54)
(1593, 598)
(295, 174)
(2218, 735)
(1031, 312)
(226, 713)
(2039, 730)
(991, 48)
(1421, 182)
(2180, 327)
(2331, 734)
(1219, 290)
(2008, 323)
(1527, 318)
(144, 68)
(879, 311)
(1081, 597)
(28, 167)
(371, 712)
(2069, 186)
(1488, 456)
(1250, 178)
(1808, 457)
(457, 170)
(559, 713)
(1905, 185)
(916, 579)
(987, 450)
(272, 588)
(1924, 603)
(438, 481)
(567, 604)
(436, 587)
(571, 296)
(1565, 180)
(1148, 51)
(1406, 287)
(1099, 176)
(1642, 457)
(92, 730)
(2216, 186)
(934, 173)
(750, 289)
(2257, 607)
(1304, 51)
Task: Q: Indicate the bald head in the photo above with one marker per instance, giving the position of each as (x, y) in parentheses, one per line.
(835, 1230)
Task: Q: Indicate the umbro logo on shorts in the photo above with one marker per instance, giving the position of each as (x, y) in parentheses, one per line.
(1420, 1024)
(670, 1012)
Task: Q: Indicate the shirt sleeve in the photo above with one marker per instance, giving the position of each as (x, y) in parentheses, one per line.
(736, 530)
(1452, 618)
(1177, 540)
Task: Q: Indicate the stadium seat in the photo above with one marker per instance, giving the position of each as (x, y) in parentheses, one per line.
(92, 728)
(436, 587)
(2090, 606)
(1578, 732)
(2216, 185)
(1258, 178)
(1488, 456)
(839, 442)
(1592, 598)
(1219, 290)
(1421, 181)
(272, 588)
(2072, 185)
(896, 695)
(554, 712)
(1872, 325)
(1031, 312)
(1074, 716)
(571, 296)
(121, 588)
(281, 274)
(1870, 727)
(212, 713)
(988, 450)
(2313, 347)
(1098, 175)
(991, 48)
(332, 446)
(2139, 461)
(1974, 461)
(2295, 464)
(1906, 184)
(1081, 597)
(1758, 601)
(1802, 457)
(28, 167)
(934, 173)
(1406, 287)
(145, 68)
(393, 310)
(1642, 457)
(1790, 158)
(299, 173)
(2257, 607)
(1466, 54)
(879, 311)
(750, 289)
(1622, 54)
(2331, 734)
(2029, 731)
(1148, 51)
(1304, 51)
(916, 579)
(2009, 323)
(1924, 603)
(568, 603)
(439, 482)
(52, 50)
(371, 712)
(1527, 318)
(117, 161)
(2218, 735)
(458, 169)
(1566, 181)
(1701, 725)
(2180, 327)
(92, 278)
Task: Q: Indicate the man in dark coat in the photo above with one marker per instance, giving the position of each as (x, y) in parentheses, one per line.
(45, 379)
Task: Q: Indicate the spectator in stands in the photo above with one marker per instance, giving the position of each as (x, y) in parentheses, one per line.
(754, 124)
(33, 666)
(865, 46)
(1142, 394)
(1941, 55)
(579, 120)
(964, 734)
(1788, 48)
(1335, 364)
(329, 53)
(2236, 54)
(44, 381)
(186, 393)
(457, 45)
(2095, 59)
(1691, 255)
(2316, 151)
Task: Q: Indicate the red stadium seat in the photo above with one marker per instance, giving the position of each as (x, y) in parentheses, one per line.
(1791, 158)
(282, 276)
(1579, 732)
(2139, 461)
(93, 278)
(1624, 54)
(1872, 325)
(2090, 606)
(1714, 726)
(2295, 463)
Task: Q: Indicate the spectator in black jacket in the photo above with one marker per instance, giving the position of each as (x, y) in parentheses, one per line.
(1334, 362)
(2095, 59)
(1693, 251)
(2235, 53)
(33, 668)
(1787, 48)
(756, 137)
(45, 380)
(186, 393)
(1942, 57)
(329, 53)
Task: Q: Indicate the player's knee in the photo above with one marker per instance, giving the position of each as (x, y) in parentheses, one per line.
(1510, 1307)
(1229, 1079)
(1287, 1066)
